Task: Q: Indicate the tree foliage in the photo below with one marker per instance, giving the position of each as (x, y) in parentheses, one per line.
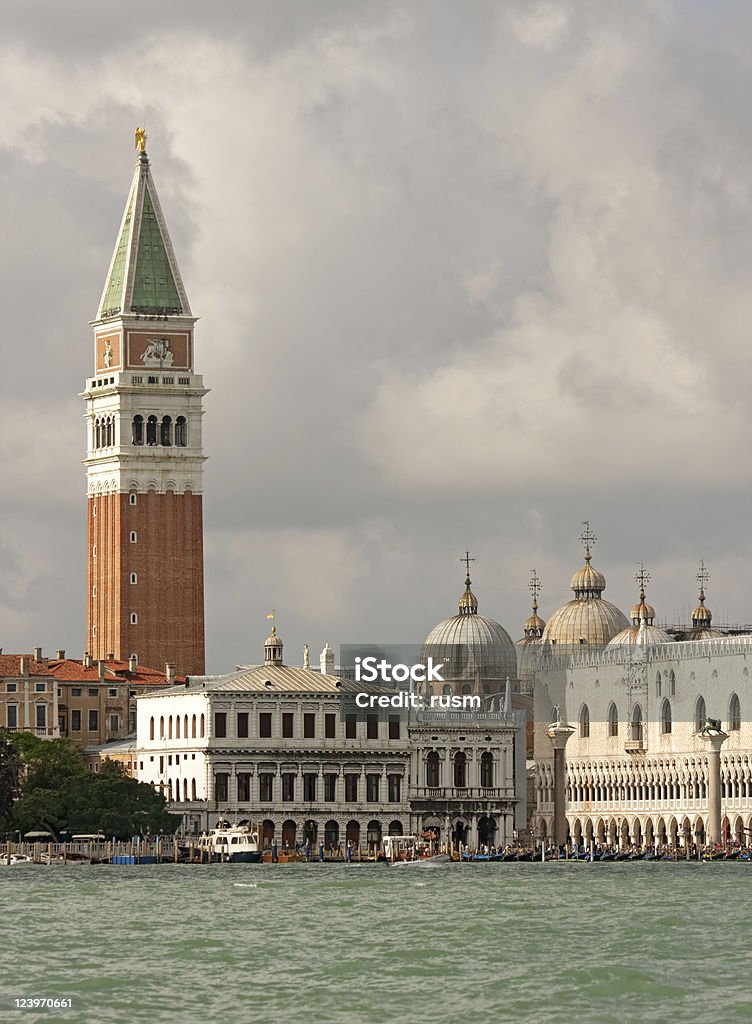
(57, 793)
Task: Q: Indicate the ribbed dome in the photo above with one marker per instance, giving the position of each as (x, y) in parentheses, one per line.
(643, 635)
(643, 610)
(588, 619)
(471, 646)
(587, 581)
(591, 621)
(534, 627)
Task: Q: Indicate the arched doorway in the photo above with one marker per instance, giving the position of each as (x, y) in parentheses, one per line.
(289, 833)
(331, 835)
(686, 832)
(487, 831)
(459, 833)
(600, 831)
(739, 832)
(543, 829)
(395, 828)
(673, 832)
(662, 834)
(612, 832)
(267, 833)
(373, 835)
(588, 832)
(310, 832)
(352, 834)
(700, 831)
(624, 834)
(637, 833)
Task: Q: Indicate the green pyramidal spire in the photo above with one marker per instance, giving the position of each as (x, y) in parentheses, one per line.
(143, 276)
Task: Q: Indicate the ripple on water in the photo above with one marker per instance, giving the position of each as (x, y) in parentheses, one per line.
(360, 943)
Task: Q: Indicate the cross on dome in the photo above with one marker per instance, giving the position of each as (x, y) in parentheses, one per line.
(642, 576)
(588, 538)
(703, 577)
(534, 586)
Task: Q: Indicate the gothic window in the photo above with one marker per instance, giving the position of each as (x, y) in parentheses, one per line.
(165, 436)
(193, 727)
(700, 714)
(584, 722)
(181, 432)
(151, 728)
(137, 430)
(613, 720)
(672, 683)
(110, 431)
(151, 430)
(665, 717)
(637, 723)
(735, 714)
(658, 685)
(97, 434)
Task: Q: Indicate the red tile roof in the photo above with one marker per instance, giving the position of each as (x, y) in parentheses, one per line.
(69, 671)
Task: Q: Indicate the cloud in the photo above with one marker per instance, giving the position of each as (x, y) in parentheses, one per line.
(465, 277)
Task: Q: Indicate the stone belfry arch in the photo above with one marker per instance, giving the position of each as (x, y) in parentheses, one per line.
(144, 460)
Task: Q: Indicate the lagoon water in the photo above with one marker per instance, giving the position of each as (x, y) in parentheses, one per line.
(370, 944)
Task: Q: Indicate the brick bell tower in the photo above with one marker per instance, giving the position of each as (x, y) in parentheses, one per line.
(144, 462)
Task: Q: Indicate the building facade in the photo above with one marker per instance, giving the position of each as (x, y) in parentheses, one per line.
(144, 462)
(276, 744)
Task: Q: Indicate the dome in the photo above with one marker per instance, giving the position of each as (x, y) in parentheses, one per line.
(472, 647)
(642, 632)
(273, 640)
(588, 619)
(643, 635)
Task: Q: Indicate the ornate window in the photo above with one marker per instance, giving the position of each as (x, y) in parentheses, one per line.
(97, 434)
(666, 717)
(735, 714)
(700, 713)
(460, 770)
(151, 430)
(613, 720)
(584, 722)
(137, 430)
(486, 770)
(637, 723)
(432, 770)
(181, 432)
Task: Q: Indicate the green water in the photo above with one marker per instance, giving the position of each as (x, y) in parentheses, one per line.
(369, 943)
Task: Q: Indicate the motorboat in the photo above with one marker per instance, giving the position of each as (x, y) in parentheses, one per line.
(411, 851)
(229, 843)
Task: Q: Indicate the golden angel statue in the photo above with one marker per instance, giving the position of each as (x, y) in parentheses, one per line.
(141, 140)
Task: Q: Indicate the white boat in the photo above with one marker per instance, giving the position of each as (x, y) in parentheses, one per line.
(231, 843)
(412, 851)
(16, 858)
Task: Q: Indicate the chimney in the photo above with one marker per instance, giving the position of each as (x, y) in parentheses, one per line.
(100, 666)
(133, 663)
(170, 674)
(37, 654)
(24, 665)
(60, 655)
(87, 660)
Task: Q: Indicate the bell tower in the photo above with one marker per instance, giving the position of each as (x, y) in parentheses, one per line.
(144, 460)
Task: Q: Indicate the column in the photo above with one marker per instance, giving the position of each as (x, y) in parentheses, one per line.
(715, 737)
(559, 733)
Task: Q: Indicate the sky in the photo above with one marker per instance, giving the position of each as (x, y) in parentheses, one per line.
(467, 275)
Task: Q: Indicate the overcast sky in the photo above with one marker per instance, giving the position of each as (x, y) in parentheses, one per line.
(467, 274)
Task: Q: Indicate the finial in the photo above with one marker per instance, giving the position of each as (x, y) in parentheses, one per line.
(534, 586)
(703, 577)
(274, 630)
(467, 560)
(587, 537)
(141, 139)
(642, 576)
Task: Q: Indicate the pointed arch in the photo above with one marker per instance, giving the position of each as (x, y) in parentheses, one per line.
(735, 714)
(613, 720)
(584, 722)
(666, 722)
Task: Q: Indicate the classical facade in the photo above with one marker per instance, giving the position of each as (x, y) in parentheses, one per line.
(640, 723)
(276, 744)
(144, 462)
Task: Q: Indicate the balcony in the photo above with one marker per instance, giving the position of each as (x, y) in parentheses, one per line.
(636, 743)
